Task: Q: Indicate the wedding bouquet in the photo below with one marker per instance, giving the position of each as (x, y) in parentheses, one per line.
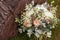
(38, 19)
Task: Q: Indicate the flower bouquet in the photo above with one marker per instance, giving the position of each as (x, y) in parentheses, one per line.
(38, 19)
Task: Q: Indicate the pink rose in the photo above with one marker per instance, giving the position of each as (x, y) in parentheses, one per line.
(27, 23)
(48, 19)
(36, 22)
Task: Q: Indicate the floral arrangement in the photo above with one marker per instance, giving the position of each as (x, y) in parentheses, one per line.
(38, 19)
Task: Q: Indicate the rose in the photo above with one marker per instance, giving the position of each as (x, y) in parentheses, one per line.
(36, 22)
(48, 20)
(27, 23)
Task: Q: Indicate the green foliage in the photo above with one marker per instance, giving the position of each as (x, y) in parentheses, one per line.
(23, 36)
(17, 20)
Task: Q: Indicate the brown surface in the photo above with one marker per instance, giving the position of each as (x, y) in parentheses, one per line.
(8, 27)
(7, 24)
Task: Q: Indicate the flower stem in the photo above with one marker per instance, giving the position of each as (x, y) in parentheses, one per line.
(41, 37)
